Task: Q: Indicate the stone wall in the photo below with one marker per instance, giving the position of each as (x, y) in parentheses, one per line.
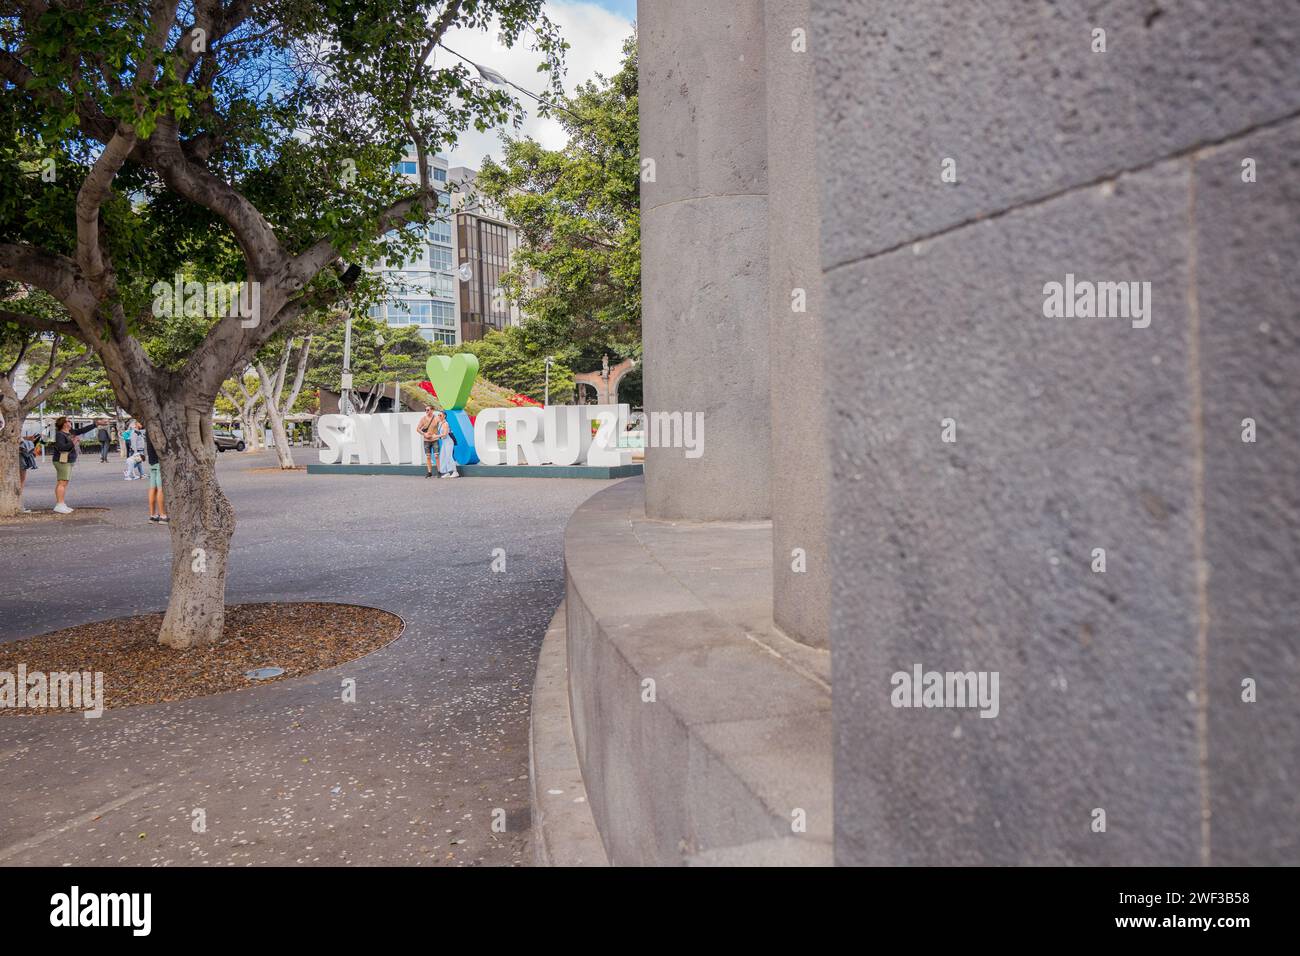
(800, 404)
(1066, 503)
(704, 254)
(1121, 691)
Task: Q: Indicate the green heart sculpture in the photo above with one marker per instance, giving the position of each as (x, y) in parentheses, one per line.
(452, 376)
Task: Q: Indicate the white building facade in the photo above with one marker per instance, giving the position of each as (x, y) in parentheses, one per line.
(423, 289)
(450, 289)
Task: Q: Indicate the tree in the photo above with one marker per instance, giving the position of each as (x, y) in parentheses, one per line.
(277, 404)
(241, 397)
(515, 360)
(44, 379)
(85, 388)
(252, 140)
(578, 210)
(380, 354)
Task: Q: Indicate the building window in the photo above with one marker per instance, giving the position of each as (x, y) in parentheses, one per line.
(440, 258)
(439, 174)
(405, 168)
(438, 335)
(422, 312)
(406, 312)
(443, 314)
(417, 260)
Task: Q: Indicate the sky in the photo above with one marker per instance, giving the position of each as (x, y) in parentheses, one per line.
(595, 31)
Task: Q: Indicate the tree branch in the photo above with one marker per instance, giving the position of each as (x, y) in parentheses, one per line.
(93, 193)
(56, 274)
(299, 374)
(35, 397)
(37, 323)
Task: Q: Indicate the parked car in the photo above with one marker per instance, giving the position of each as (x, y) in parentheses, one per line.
(228, 439)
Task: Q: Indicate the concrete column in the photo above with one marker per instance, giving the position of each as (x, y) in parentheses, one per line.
(988, 457)
(704, 253)
(801, 459)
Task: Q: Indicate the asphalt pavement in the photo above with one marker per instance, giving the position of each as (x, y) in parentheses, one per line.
(418, 770)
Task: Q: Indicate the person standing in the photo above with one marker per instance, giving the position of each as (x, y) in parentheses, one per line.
(156, 512)
(137, 438)
(65, 456)
(101, 436)
(26, 463)
(138, 451)
(427, 430)
(446, 445)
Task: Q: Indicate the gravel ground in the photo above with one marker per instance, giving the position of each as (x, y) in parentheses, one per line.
(130, 667)
(416, 771)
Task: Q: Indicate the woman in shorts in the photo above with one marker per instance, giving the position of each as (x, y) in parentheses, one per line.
(156, 512)
(65, 456)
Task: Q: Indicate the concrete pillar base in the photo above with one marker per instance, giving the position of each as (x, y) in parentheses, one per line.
(703, 733)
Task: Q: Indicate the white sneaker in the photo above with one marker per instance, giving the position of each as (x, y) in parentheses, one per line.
(62, 509)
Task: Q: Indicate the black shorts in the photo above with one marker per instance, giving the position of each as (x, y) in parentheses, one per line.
(430, 446)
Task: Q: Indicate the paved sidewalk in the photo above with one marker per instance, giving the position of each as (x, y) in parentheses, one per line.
(287, 773)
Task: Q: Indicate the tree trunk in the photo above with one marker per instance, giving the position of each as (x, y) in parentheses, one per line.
(259, 433)
(202, 522)
(10, 497)
(248, 426)
(281, 437)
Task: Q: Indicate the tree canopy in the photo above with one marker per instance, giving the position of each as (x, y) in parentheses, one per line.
(143, 142)
(577, 273)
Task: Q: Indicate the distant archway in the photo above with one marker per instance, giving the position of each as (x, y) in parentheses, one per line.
(605, 380)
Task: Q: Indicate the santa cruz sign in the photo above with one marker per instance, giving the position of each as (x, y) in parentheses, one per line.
(556, 435)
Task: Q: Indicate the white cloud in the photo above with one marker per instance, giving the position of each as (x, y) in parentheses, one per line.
(595, 37)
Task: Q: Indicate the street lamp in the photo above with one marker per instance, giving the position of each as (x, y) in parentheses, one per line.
(345, 386)
(546, 399)
(490, 75)
(397, 388)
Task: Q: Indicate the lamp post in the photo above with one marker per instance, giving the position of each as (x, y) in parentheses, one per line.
(546, 398)
(379, 341)
(345, 386)
(496, 79)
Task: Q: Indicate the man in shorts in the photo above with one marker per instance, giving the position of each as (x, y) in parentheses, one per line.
(427, 430)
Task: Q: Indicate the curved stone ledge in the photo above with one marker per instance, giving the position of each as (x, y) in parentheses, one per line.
(736, 744)
(564, 833)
